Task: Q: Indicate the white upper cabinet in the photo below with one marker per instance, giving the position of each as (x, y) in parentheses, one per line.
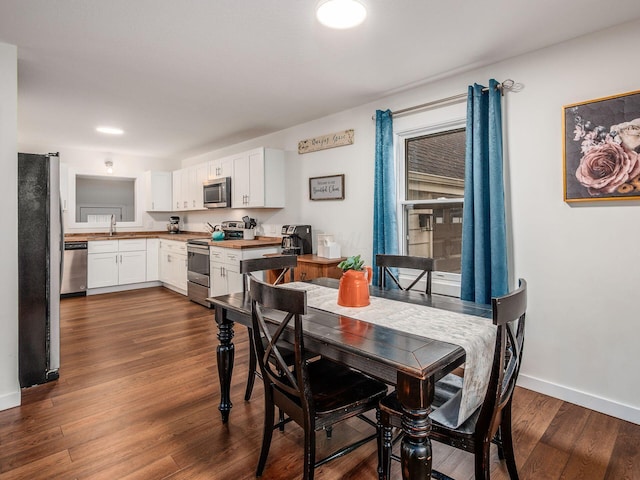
(158, 197)
(258, 179)
(177, 202)
(220, 168)
(187, 187)
(198, 174)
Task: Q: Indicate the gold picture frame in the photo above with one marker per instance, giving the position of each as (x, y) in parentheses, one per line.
(601, 149)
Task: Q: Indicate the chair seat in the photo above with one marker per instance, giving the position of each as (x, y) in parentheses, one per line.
(445, 389)
(336, 388)
(339, 388)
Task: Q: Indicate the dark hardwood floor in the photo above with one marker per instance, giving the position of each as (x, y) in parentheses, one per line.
(137, 399)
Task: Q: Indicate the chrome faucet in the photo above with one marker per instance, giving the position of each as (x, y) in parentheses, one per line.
(112, 225)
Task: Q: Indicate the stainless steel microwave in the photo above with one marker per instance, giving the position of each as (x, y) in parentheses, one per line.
(217, 193)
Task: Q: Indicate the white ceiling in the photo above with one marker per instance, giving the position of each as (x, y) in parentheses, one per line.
(186, 76)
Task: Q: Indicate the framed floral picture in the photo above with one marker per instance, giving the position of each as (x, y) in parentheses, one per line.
(602, 149)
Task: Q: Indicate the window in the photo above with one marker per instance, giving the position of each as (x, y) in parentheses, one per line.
(433, 191)
(97, 198)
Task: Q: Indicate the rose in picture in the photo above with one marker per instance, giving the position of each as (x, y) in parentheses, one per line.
(629, 133)
(607, 166)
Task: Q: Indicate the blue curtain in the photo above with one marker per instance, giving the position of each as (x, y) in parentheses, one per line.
(385, 222)
(484, 244)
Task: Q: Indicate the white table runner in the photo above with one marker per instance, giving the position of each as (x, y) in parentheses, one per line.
(476, 335)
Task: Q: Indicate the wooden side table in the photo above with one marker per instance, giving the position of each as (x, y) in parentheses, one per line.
(310, 267)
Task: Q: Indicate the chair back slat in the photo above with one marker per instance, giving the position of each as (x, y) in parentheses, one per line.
(509, 313)
(290, 304)
(387, 264)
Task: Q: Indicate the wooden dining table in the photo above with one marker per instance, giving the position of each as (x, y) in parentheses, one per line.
(412, 363)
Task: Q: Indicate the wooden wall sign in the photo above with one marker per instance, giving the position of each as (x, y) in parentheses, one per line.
(326, 188)
(331, 140)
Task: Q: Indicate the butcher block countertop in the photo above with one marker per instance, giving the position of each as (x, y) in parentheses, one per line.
(258, 242)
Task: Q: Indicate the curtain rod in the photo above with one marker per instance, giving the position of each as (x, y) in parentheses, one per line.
(507, 84)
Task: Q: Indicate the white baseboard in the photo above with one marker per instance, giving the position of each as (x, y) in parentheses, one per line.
(587, 400)
(10, 400)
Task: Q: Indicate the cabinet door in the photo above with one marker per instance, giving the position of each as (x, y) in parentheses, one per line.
(179, 271)
(256, 179)
(234, 280)
(217, 279)
(226, 167)
(197, 176)
(158, 191)
(132, 267)
(240, 183)
(153, 260)
(102, 270)
(185, 189)
(176, 191)
(164, 269)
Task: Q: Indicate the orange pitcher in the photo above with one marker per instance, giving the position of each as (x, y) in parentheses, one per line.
(354, 288)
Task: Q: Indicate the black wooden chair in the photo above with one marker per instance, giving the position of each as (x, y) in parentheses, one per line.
(315, 393)
(388, 263)
(492, 420)
(286, 265)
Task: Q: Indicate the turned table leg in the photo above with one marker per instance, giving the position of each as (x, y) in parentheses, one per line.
(225, 354)
(416, 397)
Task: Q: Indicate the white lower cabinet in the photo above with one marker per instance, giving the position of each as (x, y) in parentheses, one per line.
(173, 264)
(116, 262)
(102, 269)
(224, 267)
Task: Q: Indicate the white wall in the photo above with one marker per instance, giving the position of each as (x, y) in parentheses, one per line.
(580, 261)
(9, 385)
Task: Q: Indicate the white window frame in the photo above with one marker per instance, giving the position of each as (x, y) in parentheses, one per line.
(445, 283)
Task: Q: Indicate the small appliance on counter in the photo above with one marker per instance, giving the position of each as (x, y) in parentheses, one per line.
(174, 225)
(327, 247)
(233, 230)
(296, 240)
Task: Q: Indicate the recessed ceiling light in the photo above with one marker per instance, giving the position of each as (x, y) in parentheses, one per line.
(341, 13)
(110, 130)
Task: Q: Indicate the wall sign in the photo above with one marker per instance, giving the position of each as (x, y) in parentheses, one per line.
(602, 149)
(331, 140)
(326, 188)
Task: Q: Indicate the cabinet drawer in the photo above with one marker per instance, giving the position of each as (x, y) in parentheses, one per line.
(232, 258)
(102, 246)
(138, 244)
(216, 254)
(173, 246)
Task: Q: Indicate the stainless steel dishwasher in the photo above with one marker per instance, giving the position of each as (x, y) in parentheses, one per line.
(74, 271)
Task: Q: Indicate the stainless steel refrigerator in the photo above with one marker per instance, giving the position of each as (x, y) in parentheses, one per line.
(40, 246)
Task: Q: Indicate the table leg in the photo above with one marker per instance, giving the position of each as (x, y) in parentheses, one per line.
(225, 353)
(416, 397)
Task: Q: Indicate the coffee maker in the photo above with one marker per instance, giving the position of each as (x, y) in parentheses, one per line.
(296, 239)
(174, 225)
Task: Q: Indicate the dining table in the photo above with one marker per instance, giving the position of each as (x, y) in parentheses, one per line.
(409, 361)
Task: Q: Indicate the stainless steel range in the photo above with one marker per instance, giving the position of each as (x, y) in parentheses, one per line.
(198, 271)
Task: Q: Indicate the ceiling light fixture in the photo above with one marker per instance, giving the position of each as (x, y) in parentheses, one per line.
(341, 14)
(110, 130)
(109, 165)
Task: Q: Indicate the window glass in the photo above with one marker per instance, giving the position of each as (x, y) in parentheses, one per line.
(97, 198)
(434, 188)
